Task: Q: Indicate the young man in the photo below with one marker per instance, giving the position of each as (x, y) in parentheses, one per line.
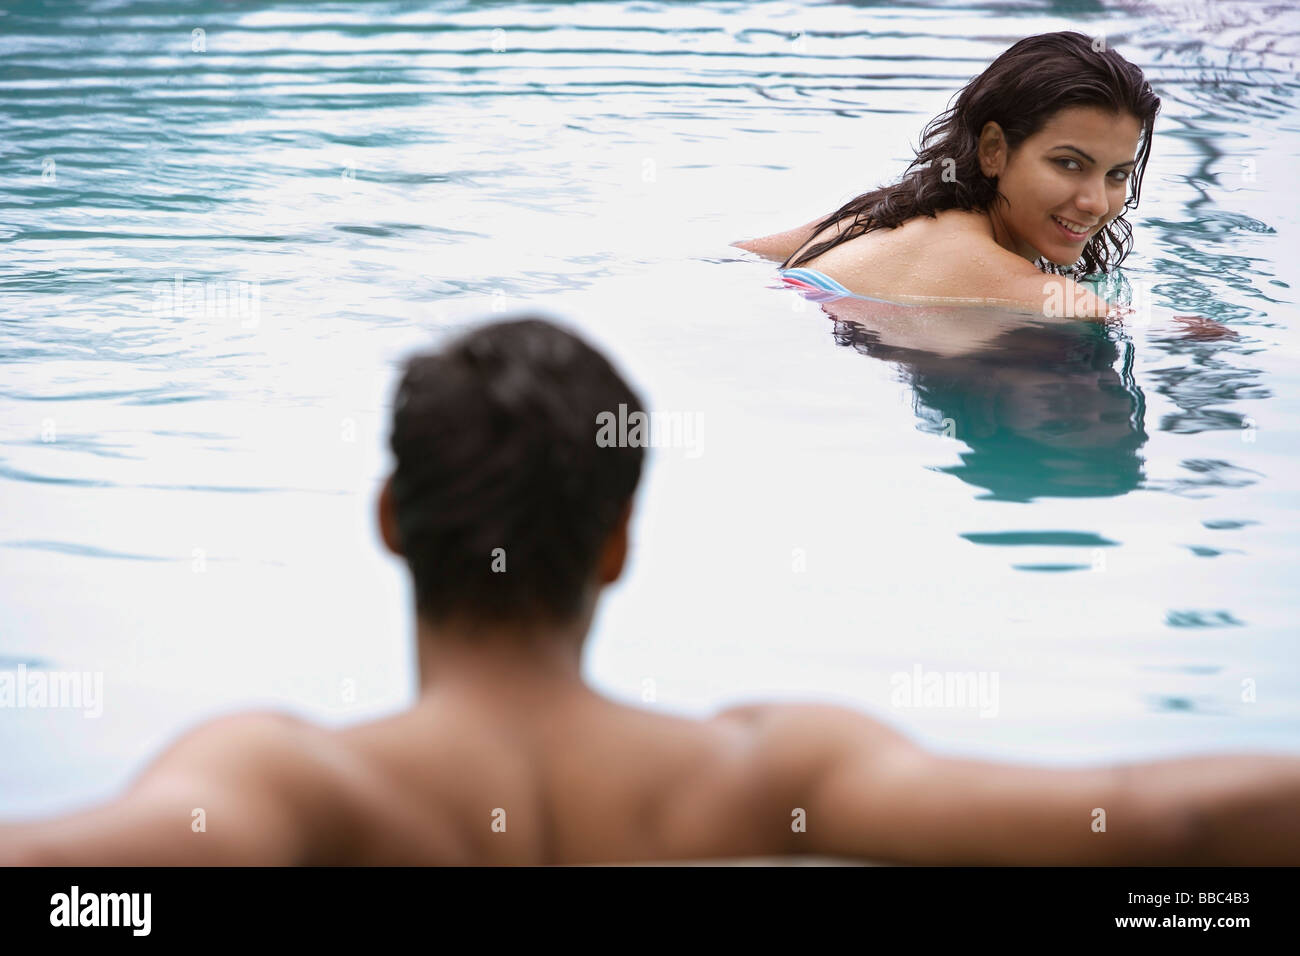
(510, 503)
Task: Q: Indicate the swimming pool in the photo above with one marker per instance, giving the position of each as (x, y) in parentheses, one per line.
(221, 244)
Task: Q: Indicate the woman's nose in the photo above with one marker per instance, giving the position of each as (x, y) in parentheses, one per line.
(1092, 199)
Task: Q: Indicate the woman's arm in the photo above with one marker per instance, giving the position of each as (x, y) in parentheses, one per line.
(1062, 297)
(782, 245)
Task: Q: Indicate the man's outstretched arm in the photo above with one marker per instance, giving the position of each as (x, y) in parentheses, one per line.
(869, 792)
(247, 789)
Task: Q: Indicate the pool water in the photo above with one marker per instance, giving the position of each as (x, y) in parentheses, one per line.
(220, 245)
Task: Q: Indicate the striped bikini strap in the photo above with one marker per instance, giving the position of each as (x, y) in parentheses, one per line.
(818, 286)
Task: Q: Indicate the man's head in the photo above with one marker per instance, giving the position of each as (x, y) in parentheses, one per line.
(506, 509)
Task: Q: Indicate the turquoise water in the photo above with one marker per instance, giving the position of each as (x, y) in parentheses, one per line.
(219, 247)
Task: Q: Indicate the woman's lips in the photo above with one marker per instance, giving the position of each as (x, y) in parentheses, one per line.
(1070, 234)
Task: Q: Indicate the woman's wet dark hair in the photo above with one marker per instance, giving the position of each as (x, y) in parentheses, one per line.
(1020, 91)
(495, 436)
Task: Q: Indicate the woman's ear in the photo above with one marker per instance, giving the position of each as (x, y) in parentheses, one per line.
(388, 518)
(992, 150)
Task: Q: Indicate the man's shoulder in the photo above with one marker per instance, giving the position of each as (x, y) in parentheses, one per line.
(794, 737)
(783, 712)
(223, 732)
(333, 785)
(272, 751)
(251, 734)
(268, 750)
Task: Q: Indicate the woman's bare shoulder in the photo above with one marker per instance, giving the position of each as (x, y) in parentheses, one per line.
(938, 263)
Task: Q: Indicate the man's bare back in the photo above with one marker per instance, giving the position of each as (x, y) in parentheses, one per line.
(586, 780)
(580, 779)
(455, 780)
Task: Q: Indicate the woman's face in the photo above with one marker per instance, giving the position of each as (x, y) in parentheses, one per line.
(1076, 169)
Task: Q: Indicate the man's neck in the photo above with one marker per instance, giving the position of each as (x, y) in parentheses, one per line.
(500, 660)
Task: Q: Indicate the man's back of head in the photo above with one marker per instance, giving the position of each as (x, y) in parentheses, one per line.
(502, 497)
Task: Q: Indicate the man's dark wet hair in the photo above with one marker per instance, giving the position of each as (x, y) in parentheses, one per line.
(495, 436)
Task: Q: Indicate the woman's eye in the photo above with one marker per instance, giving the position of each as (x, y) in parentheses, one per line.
(1120, 175)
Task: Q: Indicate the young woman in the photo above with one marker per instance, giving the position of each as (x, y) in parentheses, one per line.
(1019, 188)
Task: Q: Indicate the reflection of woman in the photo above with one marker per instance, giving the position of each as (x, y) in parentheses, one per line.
(1030, 172)
(1041, 407)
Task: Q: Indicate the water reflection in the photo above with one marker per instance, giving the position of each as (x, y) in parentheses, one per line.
(1045, 408)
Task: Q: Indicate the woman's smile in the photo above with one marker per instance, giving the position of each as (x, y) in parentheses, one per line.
(1073, 230)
